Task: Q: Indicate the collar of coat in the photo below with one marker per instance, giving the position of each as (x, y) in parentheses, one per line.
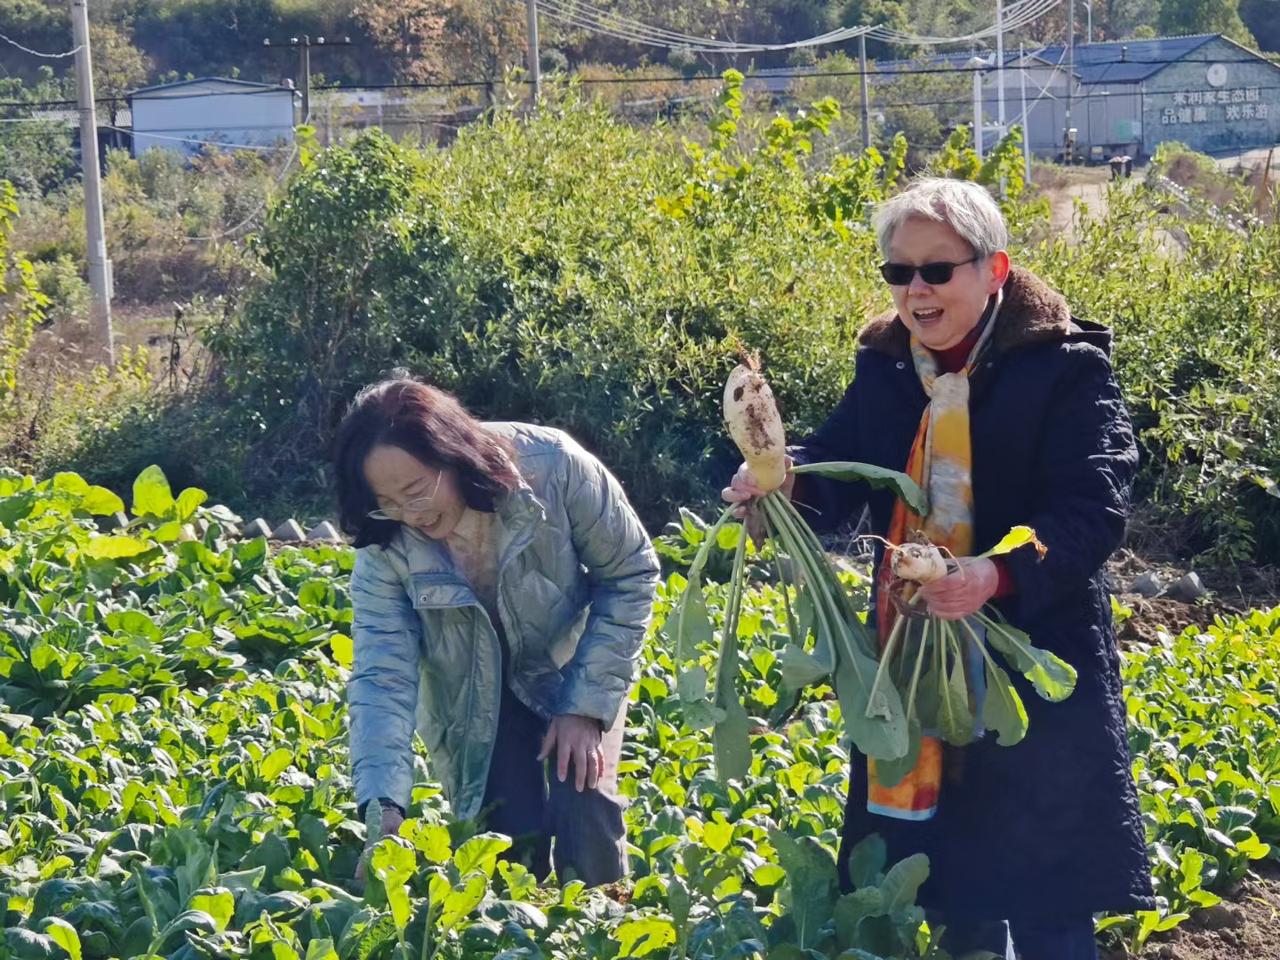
(1032, 312)
(518, 515)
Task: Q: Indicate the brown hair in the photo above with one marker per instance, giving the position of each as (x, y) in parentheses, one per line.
(428, 424)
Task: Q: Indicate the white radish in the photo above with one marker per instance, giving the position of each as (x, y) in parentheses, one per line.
(755, 425)
(918, 562)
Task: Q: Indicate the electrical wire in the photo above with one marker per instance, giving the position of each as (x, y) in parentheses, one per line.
(587, 16)
(257, 211)
(37, 53)
(873, 73)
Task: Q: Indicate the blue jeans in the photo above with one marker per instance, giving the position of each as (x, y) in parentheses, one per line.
(1021, 940)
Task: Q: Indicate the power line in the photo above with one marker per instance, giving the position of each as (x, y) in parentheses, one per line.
(266, 199)
(593, 81)
(37, 53)
(586, 16)
(429, 118)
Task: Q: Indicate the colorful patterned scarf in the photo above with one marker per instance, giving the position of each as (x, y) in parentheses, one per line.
(941, 462)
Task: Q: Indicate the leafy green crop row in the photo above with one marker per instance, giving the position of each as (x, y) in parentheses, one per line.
(174, 774)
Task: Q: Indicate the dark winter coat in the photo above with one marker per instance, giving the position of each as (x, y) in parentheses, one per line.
(1049, 827)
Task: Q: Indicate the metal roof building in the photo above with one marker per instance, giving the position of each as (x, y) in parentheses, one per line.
(1128, 96)
(218, 111)
(1207, 91)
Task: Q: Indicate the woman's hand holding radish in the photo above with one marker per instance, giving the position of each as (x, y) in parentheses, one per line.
(744, 488)
(962, 592)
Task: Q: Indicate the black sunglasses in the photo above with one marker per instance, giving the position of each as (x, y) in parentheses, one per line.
(934, 274)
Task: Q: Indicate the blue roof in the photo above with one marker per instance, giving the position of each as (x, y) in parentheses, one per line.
(1126, 61)
(1115, 61)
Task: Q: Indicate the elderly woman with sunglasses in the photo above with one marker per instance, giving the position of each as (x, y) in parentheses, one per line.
(501, 590)
(982, 386)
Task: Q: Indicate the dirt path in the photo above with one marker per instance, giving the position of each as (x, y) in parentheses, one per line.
(1090, 186)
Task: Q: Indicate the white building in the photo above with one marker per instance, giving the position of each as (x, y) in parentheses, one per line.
(189, 115)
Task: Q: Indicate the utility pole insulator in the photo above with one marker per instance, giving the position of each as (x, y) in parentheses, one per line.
(304, 45)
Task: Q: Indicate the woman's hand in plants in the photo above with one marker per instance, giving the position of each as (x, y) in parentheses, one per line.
(578, 739)
(391, 820)
(962, 592)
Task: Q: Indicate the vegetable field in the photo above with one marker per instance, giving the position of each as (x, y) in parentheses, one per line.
(174, 775)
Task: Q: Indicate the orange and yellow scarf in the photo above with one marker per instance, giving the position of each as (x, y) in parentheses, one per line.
(941, 462)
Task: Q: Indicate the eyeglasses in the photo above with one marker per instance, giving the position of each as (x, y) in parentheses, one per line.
(934, 274)
(415, 506)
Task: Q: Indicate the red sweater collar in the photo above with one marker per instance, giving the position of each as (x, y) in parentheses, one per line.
(952, 359)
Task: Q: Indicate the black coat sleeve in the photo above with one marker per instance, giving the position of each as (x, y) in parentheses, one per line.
(1082, 479)
(830, 503)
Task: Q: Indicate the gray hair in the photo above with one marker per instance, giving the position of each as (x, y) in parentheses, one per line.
(963, 205)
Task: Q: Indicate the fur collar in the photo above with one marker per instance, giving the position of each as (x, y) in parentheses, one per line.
(1032, 312)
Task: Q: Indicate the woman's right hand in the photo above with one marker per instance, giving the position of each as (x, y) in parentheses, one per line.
(391, 820)
(743, 490)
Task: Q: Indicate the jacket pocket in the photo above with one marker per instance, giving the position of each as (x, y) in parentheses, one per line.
(441, 591)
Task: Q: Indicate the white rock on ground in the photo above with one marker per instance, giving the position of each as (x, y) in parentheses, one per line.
(1147, 585)
(1188, 588)
(256, 528)
(324, 531)
(288, 532)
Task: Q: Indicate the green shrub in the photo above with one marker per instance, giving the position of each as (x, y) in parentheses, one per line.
(603, 295)
(68, 292)
(570, 269)
(1196, 309)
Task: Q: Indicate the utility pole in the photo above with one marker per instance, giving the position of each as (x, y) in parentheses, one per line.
(1000, 65)
(99, 265)
(304, 73)
(1026, 130)
(866, 104)
(1067, 145)
(535, 67)
(976, 64)
(304, 45)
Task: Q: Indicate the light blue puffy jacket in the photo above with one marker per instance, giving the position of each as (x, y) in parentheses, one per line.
(576, 579)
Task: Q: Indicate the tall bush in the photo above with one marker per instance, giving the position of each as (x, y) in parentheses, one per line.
(570, 269)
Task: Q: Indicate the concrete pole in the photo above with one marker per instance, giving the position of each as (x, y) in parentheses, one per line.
(1071, 72)
(1026, 129)
(866, 104)
(977, 111)
(99, 265)
(535, 67)
(1000, 65)
(304, 74)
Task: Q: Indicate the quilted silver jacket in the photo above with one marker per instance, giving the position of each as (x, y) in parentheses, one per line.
(576, 578)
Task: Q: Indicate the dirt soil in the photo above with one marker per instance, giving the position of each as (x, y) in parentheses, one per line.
(1245, 926)
(1230, 592)
(1084, 183)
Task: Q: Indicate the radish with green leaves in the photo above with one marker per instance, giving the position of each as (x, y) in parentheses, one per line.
(887, 698)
